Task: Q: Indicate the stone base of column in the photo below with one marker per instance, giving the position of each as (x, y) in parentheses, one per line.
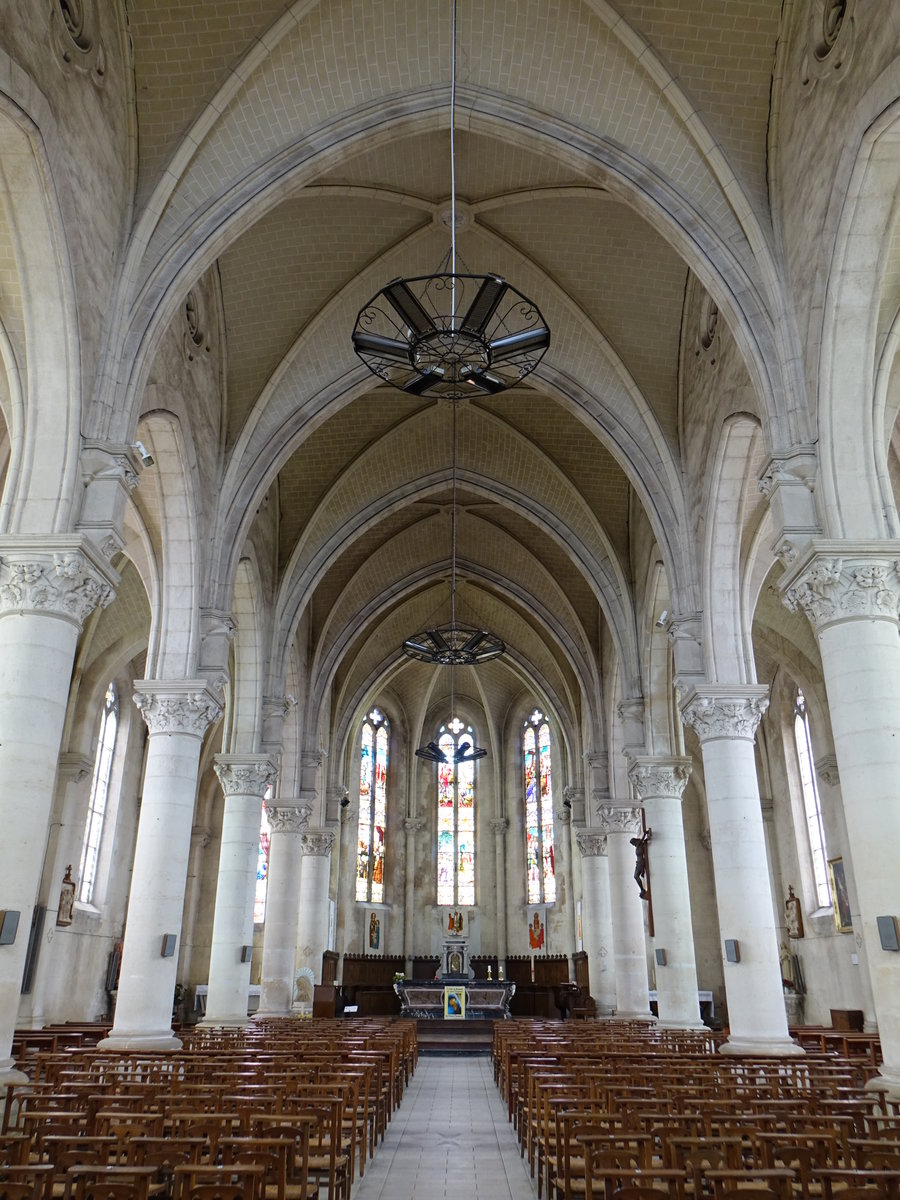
(887, 1082)
(634, 1016)
(10, 1075)
(223, 1023)
(694, 1026)
(163, 1042)
(271, 1015)
(771, 1047)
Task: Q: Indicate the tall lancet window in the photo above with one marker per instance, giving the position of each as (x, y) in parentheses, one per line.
(373, 765)
(541, 869)
(103, 760)
(814, 827)
(456, 818)
(262, 861)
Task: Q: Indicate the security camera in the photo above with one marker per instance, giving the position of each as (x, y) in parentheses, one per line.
(146, 456)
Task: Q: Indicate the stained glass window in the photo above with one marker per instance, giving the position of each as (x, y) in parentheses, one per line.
(93, 830)
(814, 828)
(262, 864)
(456, 818)
(373, 765)
(540, 866)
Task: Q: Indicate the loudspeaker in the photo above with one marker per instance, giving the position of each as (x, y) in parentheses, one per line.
(168, 945)
(660, 958)
(9, 925)
(887, 931)
(246, 953)
(732, 950)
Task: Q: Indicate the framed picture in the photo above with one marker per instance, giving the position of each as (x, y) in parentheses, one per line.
(454, 1003)
(373, 932)
(840, 898)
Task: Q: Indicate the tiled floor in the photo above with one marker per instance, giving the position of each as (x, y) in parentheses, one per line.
(449, 1138)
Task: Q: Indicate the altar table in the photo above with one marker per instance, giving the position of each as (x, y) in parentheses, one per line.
(486, 1000)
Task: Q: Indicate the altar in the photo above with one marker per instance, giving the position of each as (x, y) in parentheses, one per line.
(485, 999)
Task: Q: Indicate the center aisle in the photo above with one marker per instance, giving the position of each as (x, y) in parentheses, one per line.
(450, 1137)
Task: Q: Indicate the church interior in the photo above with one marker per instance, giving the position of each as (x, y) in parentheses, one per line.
(551, 652)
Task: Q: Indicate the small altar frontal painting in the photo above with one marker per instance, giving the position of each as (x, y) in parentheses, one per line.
(454, 1003)
(537, 930)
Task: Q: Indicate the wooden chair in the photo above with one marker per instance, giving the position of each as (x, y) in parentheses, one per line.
(283, 1181)
(89, 1182)
(33, 1181)
(219, 1183)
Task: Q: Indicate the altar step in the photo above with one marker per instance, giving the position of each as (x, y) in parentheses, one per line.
(455, 1037)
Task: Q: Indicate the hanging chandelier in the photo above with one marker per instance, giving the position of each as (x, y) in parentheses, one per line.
(449, 335)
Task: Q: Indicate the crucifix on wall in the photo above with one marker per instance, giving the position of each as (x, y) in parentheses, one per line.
(642, 870)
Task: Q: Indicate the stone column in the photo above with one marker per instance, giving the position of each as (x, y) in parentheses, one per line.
(725, 720)
(412, 825)
(629, 945)
(499, 826)
(659, 784)
(851, 594)
(47, 589)
(565, 886)
(596, 918)
(244, 779)
(178, 714)
(315, 875)
(286, 825)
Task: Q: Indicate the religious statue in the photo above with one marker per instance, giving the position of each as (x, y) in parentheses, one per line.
(66, 898)
(641, 863)
(374, 931)
(793, 915)
(454, 921)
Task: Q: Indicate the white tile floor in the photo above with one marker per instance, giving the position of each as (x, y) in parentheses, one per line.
(449, 1138)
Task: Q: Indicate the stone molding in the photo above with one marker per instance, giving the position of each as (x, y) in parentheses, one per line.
(245, 775)
(827, 770)
(200, 837)
(177, 706)
(55, 577)
(289, 818)
(614, 819)
(659, 777)
(413, 824)
(598, 762)
(591, 844)
(73, 768)
(563, 815)
(631, 709)
(316, 842)
(499, 826)
(725, 712)
(796, 467)
(844, 581)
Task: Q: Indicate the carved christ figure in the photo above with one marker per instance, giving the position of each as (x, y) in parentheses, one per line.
(642, 864)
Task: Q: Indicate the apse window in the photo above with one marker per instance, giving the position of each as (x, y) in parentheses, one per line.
(815, 830)
(93, 830)
(373, 767)
(538, 783)
(456, 815)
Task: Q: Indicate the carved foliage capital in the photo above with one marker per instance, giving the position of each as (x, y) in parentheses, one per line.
(499, 826)
(245, 776)
(659, 776)
(189, 709)
(834, 589)
(725, 714)
(413, 824)
(317, 841)
(591, 844)
(289, 818)
(619, 820)
(61, 584)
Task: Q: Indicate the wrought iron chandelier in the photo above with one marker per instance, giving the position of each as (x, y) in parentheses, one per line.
(449, 335)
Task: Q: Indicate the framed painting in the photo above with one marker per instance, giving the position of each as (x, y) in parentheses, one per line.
(454, 1003)
(537, 930)
(840, 897)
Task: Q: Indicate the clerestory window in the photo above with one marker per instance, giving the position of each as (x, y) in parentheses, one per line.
(456, 816)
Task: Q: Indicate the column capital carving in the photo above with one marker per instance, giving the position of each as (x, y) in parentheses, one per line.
(311, 760)
(619, 820)
(316, 841)
(289, 818)
(177, 706)
(63, 577)
(591, 843)
(200, 837)
(563, 816)
(827, 770)
(659, 776)
(73, 768)
(413, 824)
(109, 474)
(837, 581)
(499, 826)
(245, 774)
(717, 711)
